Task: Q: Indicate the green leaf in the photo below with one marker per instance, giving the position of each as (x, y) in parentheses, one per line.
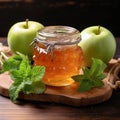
(98, 83)
(15, 90)
(78, 78)
(16, 75)
(91, 77)
(37, 73)
(97, 67)
(85, 86)
(12, 63)
(36, 87)
(24, 68)
(27, 78)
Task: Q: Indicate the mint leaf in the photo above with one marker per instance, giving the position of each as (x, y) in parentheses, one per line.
(91, 77)
(85, 86)
(15, 89)
(27, 78)
(37, 73)
(97, 67)
(36, 87)
(98, 83)
(12, 63)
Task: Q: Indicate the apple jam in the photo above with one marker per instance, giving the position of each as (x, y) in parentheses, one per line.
(56, 48)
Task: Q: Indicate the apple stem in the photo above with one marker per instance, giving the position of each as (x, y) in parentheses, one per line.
(27, 23)
(98, 29)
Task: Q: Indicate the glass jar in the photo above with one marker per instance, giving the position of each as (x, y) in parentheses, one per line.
(56, 48)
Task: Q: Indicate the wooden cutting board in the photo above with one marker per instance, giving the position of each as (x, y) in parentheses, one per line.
(66, 95)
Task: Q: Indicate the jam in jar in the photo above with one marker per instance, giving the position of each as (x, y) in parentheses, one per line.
(56, 48)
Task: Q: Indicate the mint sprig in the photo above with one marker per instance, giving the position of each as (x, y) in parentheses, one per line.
(27, 78)
(91, 77)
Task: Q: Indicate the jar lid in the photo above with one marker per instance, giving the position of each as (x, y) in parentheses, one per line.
(57, 35)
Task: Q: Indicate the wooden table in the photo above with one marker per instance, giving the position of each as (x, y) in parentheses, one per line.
(26, 110)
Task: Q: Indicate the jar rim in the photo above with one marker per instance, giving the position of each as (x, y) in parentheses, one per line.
(58, 35)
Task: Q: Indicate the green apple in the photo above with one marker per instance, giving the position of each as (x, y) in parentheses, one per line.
(97, 42)
(21, 35)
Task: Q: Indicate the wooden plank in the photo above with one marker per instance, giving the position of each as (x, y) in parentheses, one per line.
(66, 95)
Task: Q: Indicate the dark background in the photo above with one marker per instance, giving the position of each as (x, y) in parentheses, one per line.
(76, 13)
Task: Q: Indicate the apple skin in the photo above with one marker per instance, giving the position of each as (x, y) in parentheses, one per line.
(19, 36)
(100, 45)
